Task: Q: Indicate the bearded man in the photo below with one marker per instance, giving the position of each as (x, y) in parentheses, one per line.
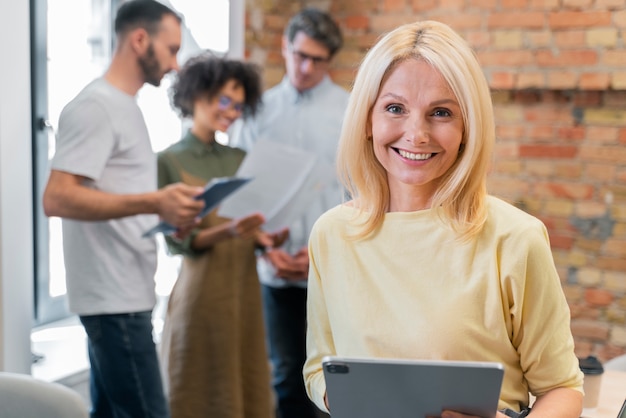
(103, 185)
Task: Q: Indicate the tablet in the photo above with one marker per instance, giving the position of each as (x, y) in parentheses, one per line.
(622, 411)
(391, 388)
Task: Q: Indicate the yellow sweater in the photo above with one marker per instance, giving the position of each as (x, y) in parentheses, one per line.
(413, 291)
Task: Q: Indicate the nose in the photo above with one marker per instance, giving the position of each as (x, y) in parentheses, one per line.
(175, 66)
(307, 66)
(233, 113)
(417, 130)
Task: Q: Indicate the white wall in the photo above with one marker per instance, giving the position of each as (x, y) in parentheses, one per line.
(16, 230)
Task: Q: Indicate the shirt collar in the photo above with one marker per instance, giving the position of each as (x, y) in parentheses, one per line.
(197, 147)
(309, 94)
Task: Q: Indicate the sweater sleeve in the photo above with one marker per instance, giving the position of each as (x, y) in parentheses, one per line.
(540, 314)
(319, 341)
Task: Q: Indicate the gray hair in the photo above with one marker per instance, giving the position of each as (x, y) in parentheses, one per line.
(317, 25)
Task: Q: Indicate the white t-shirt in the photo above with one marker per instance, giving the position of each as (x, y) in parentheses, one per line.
(110, 267)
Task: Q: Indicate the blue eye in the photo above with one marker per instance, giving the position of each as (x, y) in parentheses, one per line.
(442, 112)
(394, 108)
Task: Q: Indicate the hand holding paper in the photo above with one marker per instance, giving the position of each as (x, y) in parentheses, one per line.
(214, 192)
(286, 180)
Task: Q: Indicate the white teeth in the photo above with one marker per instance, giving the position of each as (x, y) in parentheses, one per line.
(415, 157)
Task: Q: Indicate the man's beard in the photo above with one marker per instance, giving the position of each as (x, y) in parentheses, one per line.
(150, 67)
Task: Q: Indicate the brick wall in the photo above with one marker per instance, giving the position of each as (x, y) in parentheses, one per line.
(557, 69)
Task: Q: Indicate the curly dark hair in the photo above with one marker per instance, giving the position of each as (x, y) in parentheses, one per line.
(205, 75)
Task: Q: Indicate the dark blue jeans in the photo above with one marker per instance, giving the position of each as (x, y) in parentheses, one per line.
(285, 322)
(125, 375)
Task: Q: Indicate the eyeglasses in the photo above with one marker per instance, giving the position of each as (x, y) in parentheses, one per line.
(302, 57)
(225, 103)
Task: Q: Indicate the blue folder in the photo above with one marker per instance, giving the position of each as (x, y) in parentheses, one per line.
(214, 192)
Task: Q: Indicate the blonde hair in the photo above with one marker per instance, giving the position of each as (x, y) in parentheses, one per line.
(462, 192)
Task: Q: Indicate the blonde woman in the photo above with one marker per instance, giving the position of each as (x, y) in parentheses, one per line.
(422, 263)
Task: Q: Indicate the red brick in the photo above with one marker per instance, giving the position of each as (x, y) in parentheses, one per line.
(567, 58)
(460, 21)
(609, 4)
(577, 4)
(543, 4)
(611, 263)
(582, 349)
(527, 97)
(539, 168)
(561, 241)
(514, 4)
(568, 170)
(548, 151)
(454, 5)
(510, 131)
(615, 98)
(548, 114)
(622, 136)
(480, 4)
(274, 22)
(539, 39)
(529, 79)
(590, 329)
(502, 80)
(478, 38)
(423, 5)
(598, 297)
(615, 247)
(393, 6)
(384, 23)
(595, 81)
(587, 98)
(609, 351)
(564, 19)
(338, 7)
(603, 134)
(562, 80)
(541, 132)
(600, 172)
(527, 20)
(606, 154)
(356, 22)
(363, 41)
(505, 58)
(614, 58)
(619, 17)
(569, 38)
(565, 190)
(573, 133)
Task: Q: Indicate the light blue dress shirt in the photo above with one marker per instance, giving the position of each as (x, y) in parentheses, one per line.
(310, 120)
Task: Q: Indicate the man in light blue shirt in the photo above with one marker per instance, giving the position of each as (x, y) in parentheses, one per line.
(304, 111)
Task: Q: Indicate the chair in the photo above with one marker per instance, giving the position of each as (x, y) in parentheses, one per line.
(617, 363)
(23, 396)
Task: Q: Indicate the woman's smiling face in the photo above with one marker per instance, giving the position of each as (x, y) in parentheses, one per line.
(219, 112)
(416, 128)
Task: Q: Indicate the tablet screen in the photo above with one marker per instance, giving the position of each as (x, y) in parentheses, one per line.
(375, 388)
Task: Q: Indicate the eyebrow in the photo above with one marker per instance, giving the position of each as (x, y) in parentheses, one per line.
(435, 103)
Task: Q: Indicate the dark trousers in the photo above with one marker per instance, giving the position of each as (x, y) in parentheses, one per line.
(125, 375)
(285, 322)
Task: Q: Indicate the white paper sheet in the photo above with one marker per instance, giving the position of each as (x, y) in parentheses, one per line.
(286, 180)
